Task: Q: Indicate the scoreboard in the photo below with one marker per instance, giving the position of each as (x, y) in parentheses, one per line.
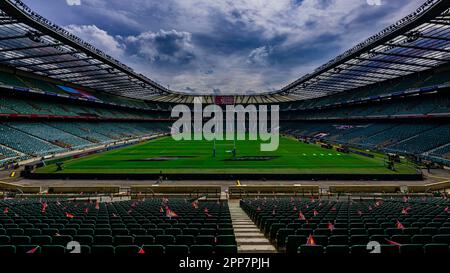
(224, 100)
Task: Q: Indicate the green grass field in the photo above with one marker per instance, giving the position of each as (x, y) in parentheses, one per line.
(187, 157)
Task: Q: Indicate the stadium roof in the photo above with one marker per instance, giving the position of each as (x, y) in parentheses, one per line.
(418, 42)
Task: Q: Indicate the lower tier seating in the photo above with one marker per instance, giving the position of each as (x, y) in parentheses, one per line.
(153, 227)
(315, 226)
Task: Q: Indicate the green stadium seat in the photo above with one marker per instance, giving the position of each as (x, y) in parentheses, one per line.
(184, 240)
(23, 249)
(359, 239)
(421, 239)
(4, 240)
(103, 231)
(144, 240)
(138, 231)
(225, 250)
(62, 240)
(293, 242)
(205, 240)
(32, 231)
(53, 250)
(41, 240)
(401, 239)
(201, 250)
(389, 250)
(177, 250)
(155, 232)
(85, 231)
(123, 240)
(7, 250)
(84, 239)
(156, 250)
(359, 250)
(103, 240)
(164, 240)
(20, 240)
(340, 231)
(225, 240)
(338, 240)
(311, 250)
(337, 250)
(190, 231)
(438, 249)
(102, 250)
(282, 236)
(411, 249)
(441, 239)
(126, 250)
(225, 231)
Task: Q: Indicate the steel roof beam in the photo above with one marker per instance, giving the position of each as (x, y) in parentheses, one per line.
(394, 62)
(54, 62)
(28, 48)
(36, 56)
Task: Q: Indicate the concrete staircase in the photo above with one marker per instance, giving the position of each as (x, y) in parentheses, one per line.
(248, 237)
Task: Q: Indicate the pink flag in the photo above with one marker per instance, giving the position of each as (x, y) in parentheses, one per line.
(310, 241)
(33, 250)
(400, 225)
(68, 215)
(301, 216)
(330, 226)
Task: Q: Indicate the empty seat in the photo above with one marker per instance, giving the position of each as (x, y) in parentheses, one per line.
(153, 249)
(20, 240)
(102, 250)
(359, 239)
(185, 240)
(144, 240)
(164, 240)
(401, 239)
(103, 240)
(441, 239)
(411, 249)
(201, 250)
(337, 250)
(338, 240)
(225, 250)
(421, 239)
(205, 240)
(440, 249)
(225, 240)
(177, 250)
(41, 240)
(123, 240)
(282, 236)
(293, 242)
(84, 239)
(7, 250)
(126, 250)
(311, 250)
(61, 240)
(53, 250)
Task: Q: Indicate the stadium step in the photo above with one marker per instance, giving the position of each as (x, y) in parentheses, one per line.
(248, 237)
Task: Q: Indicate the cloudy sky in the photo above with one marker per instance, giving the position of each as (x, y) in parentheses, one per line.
(224, 46)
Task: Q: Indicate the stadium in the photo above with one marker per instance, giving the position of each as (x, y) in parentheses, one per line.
(89, 163)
